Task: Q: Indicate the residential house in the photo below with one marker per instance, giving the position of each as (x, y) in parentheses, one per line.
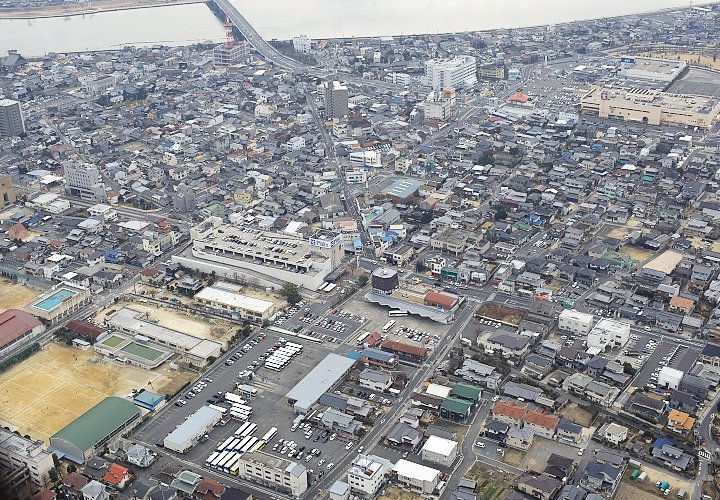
(542, 487)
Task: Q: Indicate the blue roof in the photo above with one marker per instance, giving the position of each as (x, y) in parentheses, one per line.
(147, 399)
(353, 355)
(357, 244)
(377, 354)
(662, 441)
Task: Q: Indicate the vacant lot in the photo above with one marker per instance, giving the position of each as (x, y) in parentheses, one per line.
(637, 253)
(196, 326)
(492, 484)
(393, 493)
(53, 387)
(15, 296)
(618, 232)
(537, 456)
(647, 490)
(500, 312)
(577, 414)
(513, 457)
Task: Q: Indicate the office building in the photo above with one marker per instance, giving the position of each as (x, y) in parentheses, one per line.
(652, 107)
(608, 333)
(7, 193)
(12, 121)
(455, 73)
(226, 298)
(277, 472)
(84, 181)
(229, 251)
(19, 453)
(336, 99)
(367, 474)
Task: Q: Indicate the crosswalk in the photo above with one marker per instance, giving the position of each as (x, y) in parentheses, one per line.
(704, 454)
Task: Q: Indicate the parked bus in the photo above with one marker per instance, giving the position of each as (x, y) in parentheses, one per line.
(330, 287)
(219, 458)
(270, 434)
(258, 446)
(225, 444)
(234, 398)
(240, 407)
(249, 445)
(362, 337)
(212, 457)
(388, 326)
(218, 408)
(322, 287)
(397, 312)
(243, 417)
(242, 443)
(274, 367)
(250, 430)
(240, 429)
(235, 469)
(229, 460)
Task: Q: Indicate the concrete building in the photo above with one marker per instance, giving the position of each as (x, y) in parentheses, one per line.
(651, 106)
(650, 68)
(12, 121)
(227, 55)
(324, 377)
(276, 472)
(669, 378)
(229, 251)
(336, 99)
(385, 279)
(15, 325)
(574, 321)
(415, 477)
(32, 457)
(608, 334)
(375, 380)
(59, 302)
(188, 433)
(367, 474)
(7, 192)
(455, 73)
(82, 437)
(301, 44)
(84, 181)
(439, 451)
(225, 298)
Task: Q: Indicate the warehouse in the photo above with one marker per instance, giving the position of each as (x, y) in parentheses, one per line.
(323, 378)
(187, 434)
(80, 439)
(226, 298)
(439, 451)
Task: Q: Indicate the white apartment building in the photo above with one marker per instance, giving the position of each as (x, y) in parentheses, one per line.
(416, 477)
(458, 72)
(84, 181)
(12, 121)
(574, 321)
(105, 211)
(608, 333)
(301, 44)
(17, 452)
(276, 472)
(367, 474)
(356, 176)
(366, 158)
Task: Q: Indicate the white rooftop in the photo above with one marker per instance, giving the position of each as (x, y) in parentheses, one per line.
(408, 469)
(440, 446)
(227, 293)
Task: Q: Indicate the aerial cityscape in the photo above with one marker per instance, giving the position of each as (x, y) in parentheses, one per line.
(471, 265)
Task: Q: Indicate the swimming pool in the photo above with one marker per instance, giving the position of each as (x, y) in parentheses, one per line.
(54, 300)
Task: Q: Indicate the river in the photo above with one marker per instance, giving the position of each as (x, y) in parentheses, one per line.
(283, 19)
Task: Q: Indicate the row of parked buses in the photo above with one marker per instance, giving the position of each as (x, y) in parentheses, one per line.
(226, 456)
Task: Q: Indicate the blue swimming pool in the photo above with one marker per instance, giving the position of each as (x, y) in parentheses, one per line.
(51, 302)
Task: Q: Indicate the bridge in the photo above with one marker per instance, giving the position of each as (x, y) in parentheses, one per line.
(253, 38)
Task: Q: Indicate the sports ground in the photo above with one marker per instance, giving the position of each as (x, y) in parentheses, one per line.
(54, 386)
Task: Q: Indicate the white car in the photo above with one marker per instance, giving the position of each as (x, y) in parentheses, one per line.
(480, 444)
(581, 451)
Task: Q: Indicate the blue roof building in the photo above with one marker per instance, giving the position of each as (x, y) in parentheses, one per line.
(148, 400)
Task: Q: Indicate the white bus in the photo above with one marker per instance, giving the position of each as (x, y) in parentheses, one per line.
(274, 367)
(225, 444)
(362, 338)
(250, 430)
(240, 407)
(242, 443)
(234, 444)
(249, 445)
(270, 434)
(212, 457)
(234, 398)
(243, 417)
(322, 287)
(229, 461)
(258, 446)
(397, 312)
(219, 458)
(218, 408)
(330, 287)
(242, 428)
(388, 326)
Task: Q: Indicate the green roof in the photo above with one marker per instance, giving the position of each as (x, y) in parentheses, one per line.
(97, 423)
(454, 405)
(466, 391)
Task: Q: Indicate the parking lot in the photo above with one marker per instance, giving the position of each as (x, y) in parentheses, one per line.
(316, 320)
(656, 356)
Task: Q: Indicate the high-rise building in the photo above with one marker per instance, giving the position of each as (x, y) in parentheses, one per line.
(7, 193)
(30, 457)
(84, 181)
(455, 73)
(301, 44)
(227, 55)
(12, 121)
(336, 99)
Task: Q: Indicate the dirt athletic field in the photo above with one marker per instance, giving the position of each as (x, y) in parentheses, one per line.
(14, 296)
(53, 387)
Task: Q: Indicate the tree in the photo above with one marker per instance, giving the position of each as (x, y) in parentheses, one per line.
(500, 213)
(362, 280)
(53, 475)
(71, 468)
(290, 292)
